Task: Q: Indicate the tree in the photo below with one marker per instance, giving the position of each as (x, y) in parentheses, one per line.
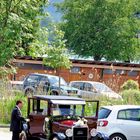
(19, 21)
(51, 46)
(101, 28)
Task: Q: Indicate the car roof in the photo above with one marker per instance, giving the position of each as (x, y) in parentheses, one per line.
(65, 100)
(91, 82)
(40, 74)
(119, 107)
(56, 97)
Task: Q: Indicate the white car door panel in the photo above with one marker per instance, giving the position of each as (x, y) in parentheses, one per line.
(130, 128)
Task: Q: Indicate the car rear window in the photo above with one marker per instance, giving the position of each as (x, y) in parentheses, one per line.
(103, 113)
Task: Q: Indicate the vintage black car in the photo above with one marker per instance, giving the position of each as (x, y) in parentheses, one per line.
(62, 118)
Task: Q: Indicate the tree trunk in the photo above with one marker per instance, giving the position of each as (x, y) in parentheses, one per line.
(97, 57)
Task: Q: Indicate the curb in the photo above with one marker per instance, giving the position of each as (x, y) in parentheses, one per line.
(4, 125)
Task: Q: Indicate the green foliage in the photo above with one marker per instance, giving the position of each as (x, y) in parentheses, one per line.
(130, 85)
(8, 98)
(101, 28)
(4, 72)
(57, 58)
(104, 100)
(90, 108)
(8, 103)
(19, 21)
(131, 96)
(51, 45)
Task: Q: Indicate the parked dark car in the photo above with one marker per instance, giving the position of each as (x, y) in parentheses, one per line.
(62, 118)
(36, 83)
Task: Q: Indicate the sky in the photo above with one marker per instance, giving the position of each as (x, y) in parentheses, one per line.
(55, 16)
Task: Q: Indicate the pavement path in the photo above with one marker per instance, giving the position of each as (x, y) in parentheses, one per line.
(5, 134)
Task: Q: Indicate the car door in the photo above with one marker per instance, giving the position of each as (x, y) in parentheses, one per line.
(78, 85)
(88, 91)
(36, 115)
(129, 122)
(91, 113)
(31, 82)
(44, 85)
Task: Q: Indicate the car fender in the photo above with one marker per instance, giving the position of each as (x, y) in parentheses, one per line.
(116, 130)
(61, 136)
(101, 136)
(54, 90)
(87, 94)
(57, 90)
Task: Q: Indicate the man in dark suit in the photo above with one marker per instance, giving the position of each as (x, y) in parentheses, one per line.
(16, 120)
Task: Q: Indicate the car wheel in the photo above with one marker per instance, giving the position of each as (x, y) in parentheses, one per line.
(117, 137)
(54, 93)
(29, 92)
(55, 138)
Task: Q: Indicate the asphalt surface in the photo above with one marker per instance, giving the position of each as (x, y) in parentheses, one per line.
(5, 134)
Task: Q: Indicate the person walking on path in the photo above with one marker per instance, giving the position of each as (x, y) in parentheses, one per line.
(16, 120)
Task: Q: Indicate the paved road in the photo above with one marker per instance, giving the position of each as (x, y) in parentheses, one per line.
(5, 134)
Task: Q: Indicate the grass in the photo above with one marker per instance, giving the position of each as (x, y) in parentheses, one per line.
(8, 103)
(8, 98)
(6, 106)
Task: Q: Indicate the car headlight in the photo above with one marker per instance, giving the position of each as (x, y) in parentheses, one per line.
(93, 132)
(69, 133)
(46, 119)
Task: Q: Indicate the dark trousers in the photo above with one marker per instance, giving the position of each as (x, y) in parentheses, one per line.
(15, 135)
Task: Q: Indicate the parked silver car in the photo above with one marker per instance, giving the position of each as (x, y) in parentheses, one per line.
(90, 89)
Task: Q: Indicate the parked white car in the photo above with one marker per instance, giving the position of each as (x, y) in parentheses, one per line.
(90, 89)
(120, 122)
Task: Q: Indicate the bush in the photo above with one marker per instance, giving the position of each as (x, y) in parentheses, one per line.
(105, 101)
(131, 96)
(8, 98)
(129, 85)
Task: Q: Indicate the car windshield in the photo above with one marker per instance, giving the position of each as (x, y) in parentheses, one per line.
(68, 110)
(103, 113)
(54, 80)
(101, 87)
